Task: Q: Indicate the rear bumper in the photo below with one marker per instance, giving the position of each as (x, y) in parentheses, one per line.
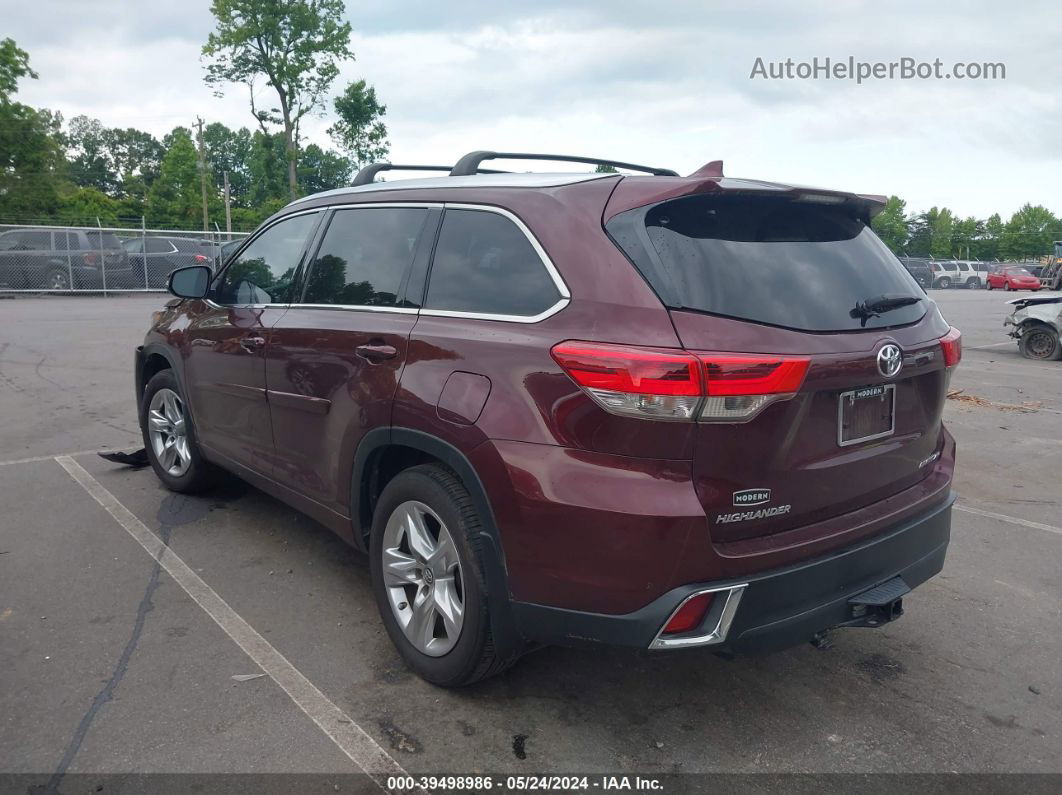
(773, 610)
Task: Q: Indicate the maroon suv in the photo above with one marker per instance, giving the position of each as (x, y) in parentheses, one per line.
(654, 411)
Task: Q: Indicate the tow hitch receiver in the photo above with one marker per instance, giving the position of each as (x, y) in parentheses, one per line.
(880, 605)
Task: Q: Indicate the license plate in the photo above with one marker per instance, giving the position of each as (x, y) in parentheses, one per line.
(866, 413)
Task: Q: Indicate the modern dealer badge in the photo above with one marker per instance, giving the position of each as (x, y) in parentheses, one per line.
(751, 497)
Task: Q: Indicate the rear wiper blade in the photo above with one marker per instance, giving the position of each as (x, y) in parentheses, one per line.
(873, 307)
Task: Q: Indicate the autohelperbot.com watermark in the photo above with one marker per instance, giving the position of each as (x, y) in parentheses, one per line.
(850, 68)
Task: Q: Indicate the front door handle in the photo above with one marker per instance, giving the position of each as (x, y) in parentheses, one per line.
(376, 353)
(252, 343)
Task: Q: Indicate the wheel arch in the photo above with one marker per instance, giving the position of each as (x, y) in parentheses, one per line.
(151, 359)
(371, 455)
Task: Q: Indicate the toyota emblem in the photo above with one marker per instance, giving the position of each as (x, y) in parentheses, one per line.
(890, 360)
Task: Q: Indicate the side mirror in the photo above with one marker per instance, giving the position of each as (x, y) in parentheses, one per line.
(190, 282)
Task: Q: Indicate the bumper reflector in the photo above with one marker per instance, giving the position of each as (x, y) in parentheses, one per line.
(690, 615)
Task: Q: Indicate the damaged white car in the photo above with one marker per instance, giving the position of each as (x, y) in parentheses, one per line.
(1036, 323)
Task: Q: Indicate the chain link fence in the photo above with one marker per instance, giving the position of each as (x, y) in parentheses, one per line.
(35, 259)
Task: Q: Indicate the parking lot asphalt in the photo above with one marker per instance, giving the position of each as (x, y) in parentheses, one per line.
(111, 662)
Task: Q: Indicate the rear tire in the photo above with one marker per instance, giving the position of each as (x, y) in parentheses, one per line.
(57, 279)
(1007, 287)
(988, 285)
(427, 577)
(972, 283)
(1040, 343)
(169, 437)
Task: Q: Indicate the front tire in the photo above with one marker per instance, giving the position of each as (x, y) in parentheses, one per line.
(944, 283)
(427, 577)
(1040, 343)
(1006, 287)
(169, 437)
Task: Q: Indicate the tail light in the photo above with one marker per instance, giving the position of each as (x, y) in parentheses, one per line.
(89, 259)
(740, 387)
(652, 384)
(200, 259)
(951, 346)
(672, 385)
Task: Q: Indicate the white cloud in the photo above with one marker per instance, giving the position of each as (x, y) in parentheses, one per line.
(663, 84)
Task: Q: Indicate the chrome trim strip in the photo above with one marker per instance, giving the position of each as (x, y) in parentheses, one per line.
(714, 636)
(398, 310)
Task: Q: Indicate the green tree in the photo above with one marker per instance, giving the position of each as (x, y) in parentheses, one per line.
(230, 151)
(964, 236)
(267, 168)
(84, 206)
(295, 46)
(174, 199)
(891, 224)
(14, 65)
(988, 246)
(1028, 233)
(360, 131)
(322, 170)
(31, 156)
(940, 232)
(603, 169)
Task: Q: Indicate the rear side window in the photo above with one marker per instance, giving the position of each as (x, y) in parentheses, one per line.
(364, 256)
(265, 271)
(485, 264)
(37, 241)
(776, 261)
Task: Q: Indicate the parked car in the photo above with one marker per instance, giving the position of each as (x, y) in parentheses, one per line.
(972, 274)
(164, 255)
(1036, 324)
(920, 270)
(61, 259)
(1013, 278)
(589, 409)
(945, 273)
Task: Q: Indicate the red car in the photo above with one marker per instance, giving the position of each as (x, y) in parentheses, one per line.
(588, 408)
(1013, 279)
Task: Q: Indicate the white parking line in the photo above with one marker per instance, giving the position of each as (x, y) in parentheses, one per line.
(351, 739)
(992, 345)
(1011, 519)
(53, 456)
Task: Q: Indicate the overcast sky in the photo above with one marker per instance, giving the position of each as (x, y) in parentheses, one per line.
(661, 83)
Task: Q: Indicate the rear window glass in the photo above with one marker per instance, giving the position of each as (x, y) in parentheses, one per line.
(484, 264)
(776, 261)
(103, 240)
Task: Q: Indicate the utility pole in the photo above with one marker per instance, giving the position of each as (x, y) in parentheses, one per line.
(228, 206)
(202, 169)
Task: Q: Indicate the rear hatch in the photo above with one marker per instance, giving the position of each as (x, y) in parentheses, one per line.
(800, 315)
(109, 247)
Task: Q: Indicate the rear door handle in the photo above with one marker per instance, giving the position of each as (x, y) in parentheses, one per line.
(376, 353)
(251, 344)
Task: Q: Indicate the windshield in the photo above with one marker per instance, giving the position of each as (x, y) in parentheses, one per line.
(775, 261)
(1019, 272)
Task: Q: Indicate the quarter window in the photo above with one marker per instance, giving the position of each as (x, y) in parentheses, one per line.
(365, 255)
(265, 271)
(485, 264)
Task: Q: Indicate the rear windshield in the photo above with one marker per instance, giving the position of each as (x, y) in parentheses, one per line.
(103, 240)
(775, 261)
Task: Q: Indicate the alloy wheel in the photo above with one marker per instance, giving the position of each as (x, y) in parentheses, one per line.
(423, 579)
(168, 432)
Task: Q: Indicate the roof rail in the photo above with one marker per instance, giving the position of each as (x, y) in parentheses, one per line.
(469, 164)
(368, 174)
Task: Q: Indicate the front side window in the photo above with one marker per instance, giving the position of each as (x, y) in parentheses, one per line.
(265, 271)
(486, 265)
(364, 256)
(36, 241)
